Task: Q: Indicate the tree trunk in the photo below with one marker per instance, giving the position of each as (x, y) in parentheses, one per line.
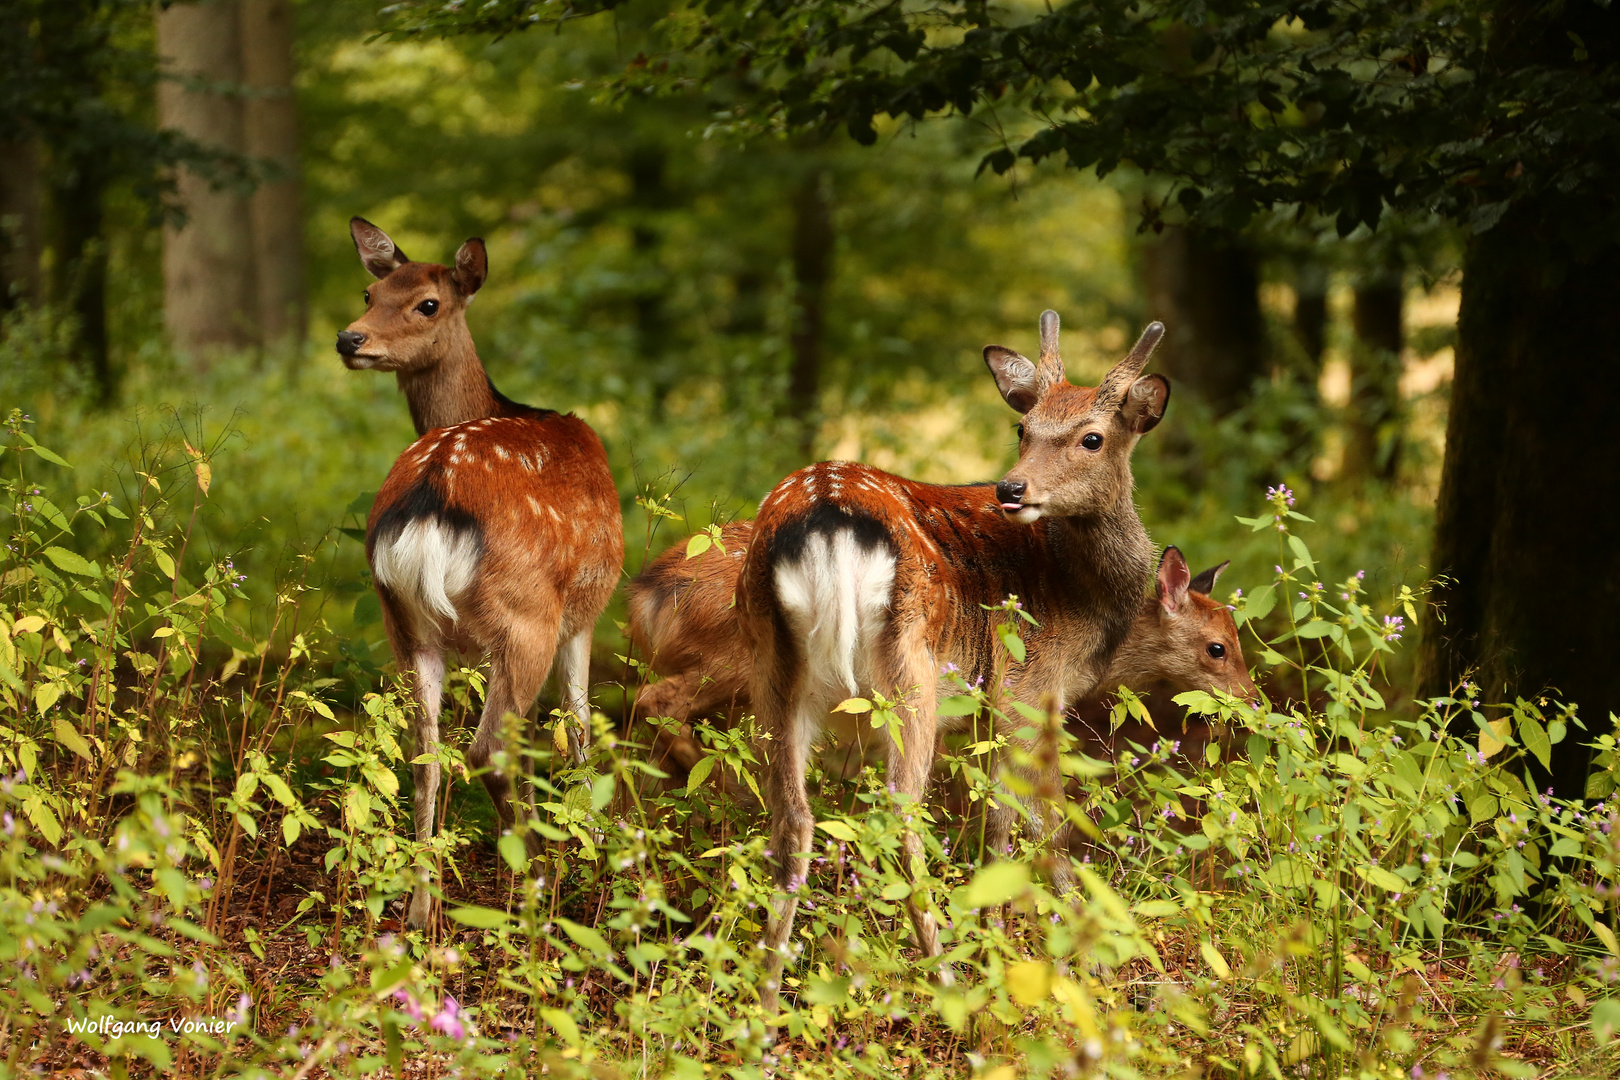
(1311, 313)
(78, 281)
(20, 237)
(209, 296)
(813, 241)
(1373, 447)
(1529, 503)
(270, 121)
(1205, 286)
(649, 194)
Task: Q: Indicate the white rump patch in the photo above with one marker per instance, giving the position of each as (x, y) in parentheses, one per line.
(427, 565)
(836, 598)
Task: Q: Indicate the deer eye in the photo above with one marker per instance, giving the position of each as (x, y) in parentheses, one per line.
(1092, 441)
(1020, 431)
(428, 307)
(1216, 650)
(368, 298)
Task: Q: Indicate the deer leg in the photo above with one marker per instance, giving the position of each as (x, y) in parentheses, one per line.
(680, 697)
(792, 721)
(911, 761)
(1045, 781)
(574, 662)
(428, 668)
(517, 670)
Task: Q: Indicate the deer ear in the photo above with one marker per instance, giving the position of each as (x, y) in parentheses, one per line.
(1020, 384)
(1145, 403)
(378, 253)
(1204, 584)
(472, 267)
(1172, 582)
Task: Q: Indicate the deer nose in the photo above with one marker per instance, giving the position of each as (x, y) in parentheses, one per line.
(1010, 491)
(349, 342)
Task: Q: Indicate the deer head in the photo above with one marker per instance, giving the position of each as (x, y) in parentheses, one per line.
(416, 313)
(1185, 639)
(1075, 442)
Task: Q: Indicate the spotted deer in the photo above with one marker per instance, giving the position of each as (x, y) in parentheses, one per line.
(684, 626)
(860, 580)
(497, 531)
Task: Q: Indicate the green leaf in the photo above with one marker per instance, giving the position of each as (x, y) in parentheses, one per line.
(1301, 553)
(72, 562)
(1261, 601)
(1216, 962)
(49, 456)
(1605, 1019)
(1156, 909)
(1316, 628)
(586, 937)
(1010, 639)
(996, 884)
(700, 772)
(290, 829)
(838, 830)
(1384, 879)
(1533, 737)
(513, 851)
(480, 918)
(958, 705)
(601, 791)
(699, 543)
(562, 1024)
(69, 737)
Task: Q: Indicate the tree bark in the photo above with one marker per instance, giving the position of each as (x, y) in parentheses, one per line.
(813, 241)
(72, 34)
(1311, 312)
(270, 120)
(1529, 503)
(1374, 445)
(21, 239)
(210, 300)
(78, 280)
(649, 194)
(1205, 286)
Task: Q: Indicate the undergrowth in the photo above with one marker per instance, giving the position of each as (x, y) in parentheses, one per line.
(1338, 885)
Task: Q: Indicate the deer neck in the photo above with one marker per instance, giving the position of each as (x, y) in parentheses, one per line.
(1140, 658)
(1107, 558)
(453, 391)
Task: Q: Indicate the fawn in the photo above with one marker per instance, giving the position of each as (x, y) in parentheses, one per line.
(857, 578)
(497, 531)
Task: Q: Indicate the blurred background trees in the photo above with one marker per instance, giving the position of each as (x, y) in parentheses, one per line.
(689, 248)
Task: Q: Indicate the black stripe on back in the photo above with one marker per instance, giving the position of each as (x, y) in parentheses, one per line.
(827, 518)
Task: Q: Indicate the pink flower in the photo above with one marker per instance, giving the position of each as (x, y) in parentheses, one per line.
(448, 1020)
(409, 1004)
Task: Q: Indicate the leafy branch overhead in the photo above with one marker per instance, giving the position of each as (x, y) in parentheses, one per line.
(1451, 107)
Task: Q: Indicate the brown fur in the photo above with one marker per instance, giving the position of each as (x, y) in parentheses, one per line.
(683, 624)
(526, 494)
(1075, 554)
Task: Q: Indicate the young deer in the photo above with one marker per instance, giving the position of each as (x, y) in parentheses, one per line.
(683, 624)
(859, 579)
(497, 531)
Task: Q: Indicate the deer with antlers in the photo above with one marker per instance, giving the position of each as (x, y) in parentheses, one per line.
(860, 579)
(498, 531)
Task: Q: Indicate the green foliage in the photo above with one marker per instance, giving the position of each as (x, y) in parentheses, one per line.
(1339, 884)
(1453, 107)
